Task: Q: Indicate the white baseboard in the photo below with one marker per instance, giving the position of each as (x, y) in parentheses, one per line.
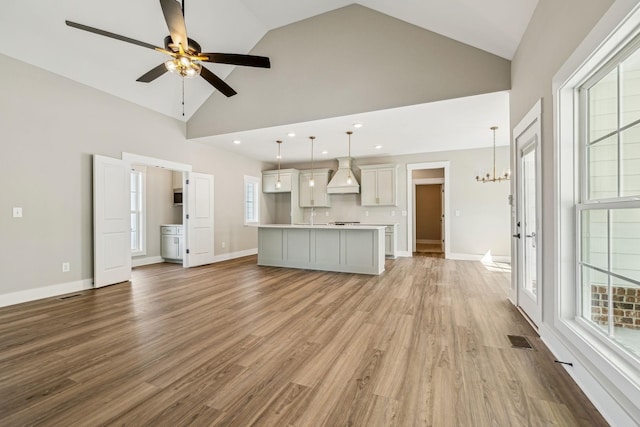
(233, 255)
(404, 254)
(478, 257)
(428, 242)
(610, 409)
(138, 262)
(27, 295)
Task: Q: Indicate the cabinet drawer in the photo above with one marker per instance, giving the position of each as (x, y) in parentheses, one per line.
(168, 230)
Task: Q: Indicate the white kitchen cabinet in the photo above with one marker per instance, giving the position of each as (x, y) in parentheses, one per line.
(176, 180)
(287, 179)
(378, 185)
(390, 241)
(172, 242)
(316, 196)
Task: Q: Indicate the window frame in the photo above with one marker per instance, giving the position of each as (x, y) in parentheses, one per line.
(255, 182)
(141, 171)
(612, 35)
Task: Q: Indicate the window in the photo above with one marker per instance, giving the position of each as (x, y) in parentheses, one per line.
(138, 203)
(608, 206)
(251, 200)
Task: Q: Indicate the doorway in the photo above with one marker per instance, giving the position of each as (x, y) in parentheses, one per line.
(427, 174)
(112, 216)
(429, 215)
(527, 236)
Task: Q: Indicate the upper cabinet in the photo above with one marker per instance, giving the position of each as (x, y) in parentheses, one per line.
(378, 185)
(316, 196)
(287, 178)
(176, 179)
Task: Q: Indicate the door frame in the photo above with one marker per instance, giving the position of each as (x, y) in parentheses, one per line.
(531, 121)
(172, 166)
(411, 244)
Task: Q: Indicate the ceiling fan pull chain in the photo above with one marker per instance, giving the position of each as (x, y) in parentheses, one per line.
(183, 96)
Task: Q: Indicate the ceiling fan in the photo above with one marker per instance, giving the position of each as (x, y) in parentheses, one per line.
(186, 53)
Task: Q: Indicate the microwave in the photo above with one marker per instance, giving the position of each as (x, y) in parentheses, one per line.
(177, 196)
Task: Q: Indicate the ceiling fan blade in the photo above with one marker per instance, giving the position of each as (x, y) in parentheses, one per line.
(237, 59)
(217, 82)
(175, 22)
(111, 35)
(152, 74)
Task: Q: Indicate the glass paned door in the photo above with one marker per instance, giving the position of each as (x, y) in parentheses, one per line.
(528, 227)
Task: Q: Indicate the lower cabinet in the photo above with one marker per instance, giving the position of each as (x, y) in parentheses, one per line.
(390, 241)
(172, 242)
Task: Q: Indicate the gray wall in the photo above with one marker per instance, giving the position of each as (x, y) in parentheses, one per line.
(483, 221)
(51, 126)
(346, 61)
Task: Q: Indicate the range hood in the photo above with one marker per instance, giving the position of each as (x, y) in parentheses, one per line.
(339, 184)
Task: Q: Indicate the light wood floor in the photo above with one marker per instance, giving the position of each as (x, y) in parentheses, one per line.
(234, 344)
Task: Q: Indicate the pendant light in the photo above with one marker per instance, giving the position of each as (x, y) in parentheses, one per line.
(311, 180)
(278, 183)
(488, 178)
(349, 180)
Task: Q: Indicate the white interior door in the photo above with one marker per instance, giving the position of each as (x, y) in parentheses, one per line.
(200, 244)
(111, 221)
(527, 235)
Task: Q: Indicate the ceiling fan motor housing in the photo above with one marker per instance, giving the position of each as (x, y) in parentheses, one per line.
(193, 48)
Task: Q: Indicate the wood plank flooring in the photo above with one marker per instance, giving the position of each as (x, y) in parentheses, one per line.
(234, 344)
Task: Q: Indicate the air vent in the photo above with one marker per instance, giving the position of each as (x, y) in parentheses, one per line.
(518, 341)
(66, 297)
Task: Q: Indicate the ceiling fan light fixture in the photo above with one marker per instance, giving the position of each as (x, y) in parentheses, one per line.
(183, 66)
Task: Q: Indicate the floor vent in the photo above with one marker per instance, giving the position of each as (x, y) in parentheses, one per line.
(70, 296)
(518, 341)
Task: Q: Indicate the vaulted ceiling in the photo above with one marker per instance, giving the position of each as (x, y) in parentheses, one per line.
(34, 31)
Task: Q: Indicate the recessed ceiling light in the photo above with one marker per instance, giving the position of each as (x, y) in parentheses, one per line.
(357, 125)
(278, 156)
(291, 134)
(236, 141)
(325, 152)
(378, 147)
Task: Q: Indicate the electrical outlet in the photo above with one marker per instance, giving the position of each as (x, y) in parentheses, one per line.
(326, 213)
(223, 244)
(66, 267)
(366, 213)
(17, 212)
(393, 213)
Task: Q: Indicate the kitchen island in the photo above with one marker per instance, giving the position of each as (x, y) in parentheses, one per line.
(342, 248)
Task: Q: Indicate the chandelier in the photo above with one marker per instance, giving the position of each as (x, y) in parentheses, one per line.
(488, 177)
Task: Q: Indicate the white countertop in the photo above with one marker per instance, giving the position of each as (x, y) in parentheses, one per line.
(325, 226)
(170, 225)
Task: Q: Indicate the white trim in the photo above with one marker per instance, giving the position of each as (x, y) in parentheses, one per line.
(233, 255)
(428, 181)
(19, 297)
(428, 242)
(605, 377)
(446, 165)
(152, 161)
(138, 262)
(598, 395)
(532, 120)
(406, 254)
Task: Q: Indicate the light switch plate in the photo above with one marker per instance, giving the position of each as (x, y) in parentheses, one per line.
(17, 212)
